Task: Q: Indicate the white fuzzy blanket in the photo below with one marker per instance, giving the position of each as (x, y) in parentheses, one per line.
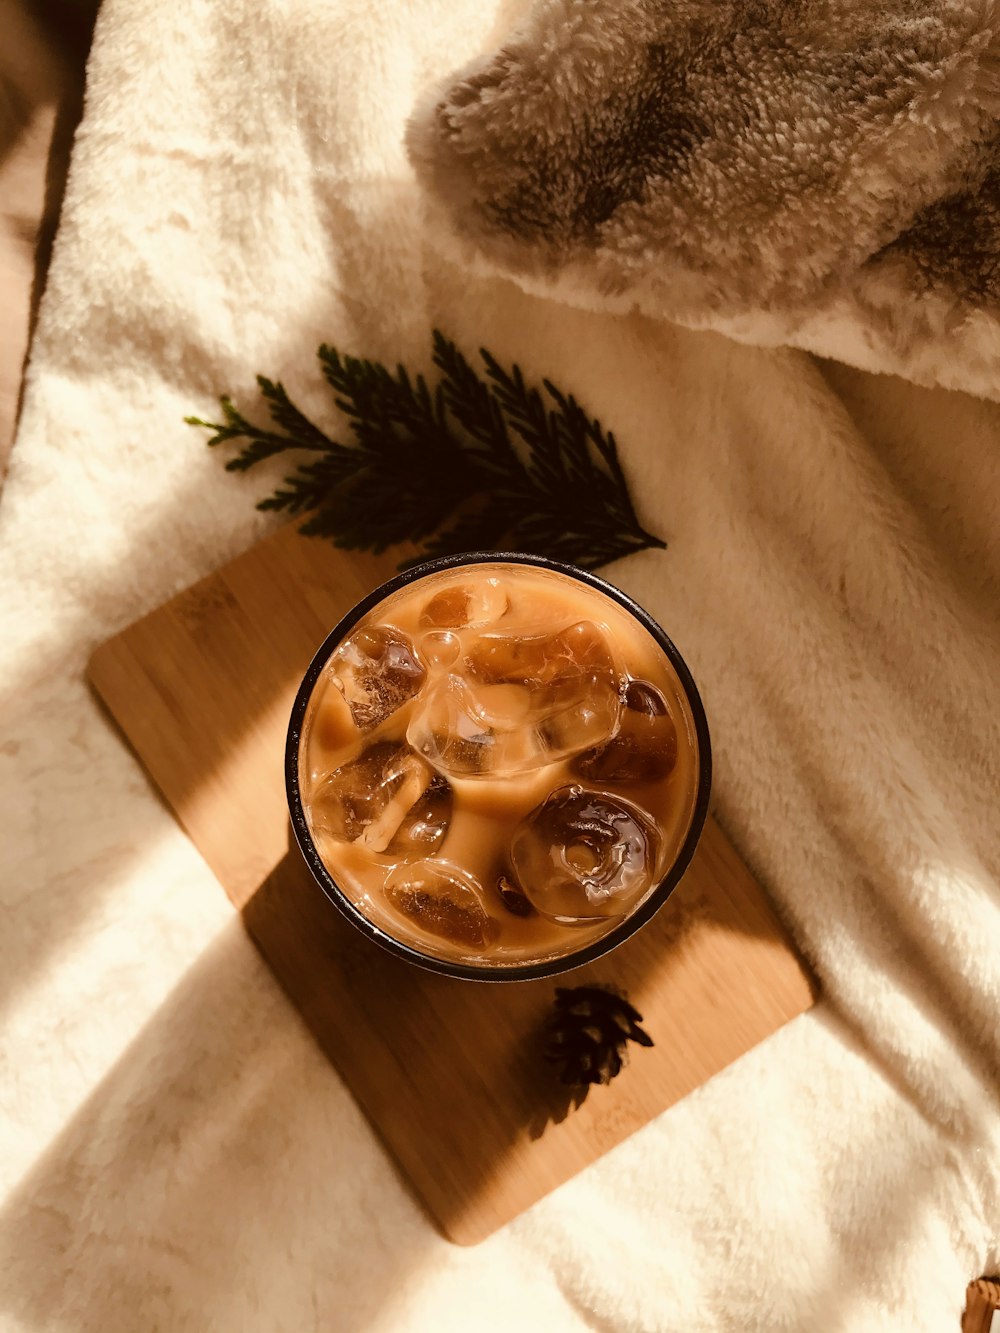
(174, 1152)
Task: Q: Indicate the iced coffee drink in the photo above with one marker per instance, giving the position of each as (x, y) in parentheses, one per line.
(499, 763)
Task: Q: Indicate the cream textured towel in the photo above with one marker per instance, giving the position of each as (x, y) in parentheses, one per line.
(174, 1152)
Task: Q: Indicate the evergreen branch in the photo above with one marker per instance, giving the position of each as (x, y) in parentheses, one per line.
(473, 406)
(259, 448)
(526, 413)
(480, 528)
(235, 426)
(470, 463)
(309, 487)
(294, 423)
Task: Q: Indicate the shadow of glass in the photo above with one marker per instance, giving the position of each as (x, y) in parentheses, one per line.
(207, 727)
(450, 1071)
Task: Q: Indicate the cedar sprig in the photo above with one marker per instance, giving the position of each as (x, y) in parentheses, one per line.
(476, 462)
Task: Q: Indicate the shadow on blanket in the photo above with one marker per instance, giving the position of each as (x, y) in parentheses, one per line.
(42, 57)
(193, 1154)
(219, 1144)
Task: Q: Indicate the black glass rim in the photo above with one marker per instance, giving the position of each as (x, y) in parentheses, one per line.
(532, 971)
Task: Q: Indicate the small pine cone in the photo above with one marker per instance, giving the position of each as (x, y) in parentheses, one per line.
(588, 1034)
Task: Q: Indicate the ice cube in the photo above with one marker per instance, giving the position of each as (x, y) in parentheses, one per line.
(543, 659)
(515, 703)
(439, 649)
(584, 856)
(466, 604)
(443, 900)
(387, 798)
(426, 822)
(377, 669)
(644, 749)
(467, 731)
(571, 680)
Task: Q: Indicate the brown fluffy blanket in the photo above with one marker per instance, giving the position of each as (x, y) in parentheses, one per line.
(820, 173)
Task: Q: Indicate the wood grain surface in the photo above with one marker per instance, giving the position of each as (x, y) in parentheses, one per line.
(449, 1072)
(203, 687)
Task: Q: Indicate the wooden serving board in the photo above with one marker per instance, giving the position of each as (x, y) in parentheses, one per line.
(449, 1072)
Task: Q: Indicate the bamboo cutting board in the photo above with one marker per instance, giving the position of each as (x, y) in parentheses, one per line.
(449, 1072)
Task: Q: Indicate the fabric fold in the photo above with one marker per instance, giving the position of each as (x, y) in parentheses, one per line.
(821, 175)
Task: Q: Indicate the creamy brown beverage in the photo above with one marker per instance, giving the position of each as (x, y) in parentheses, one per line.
(498, 764)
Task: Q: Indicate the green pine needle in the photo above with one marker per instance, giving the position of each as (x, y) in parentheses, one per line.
(474, 463)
